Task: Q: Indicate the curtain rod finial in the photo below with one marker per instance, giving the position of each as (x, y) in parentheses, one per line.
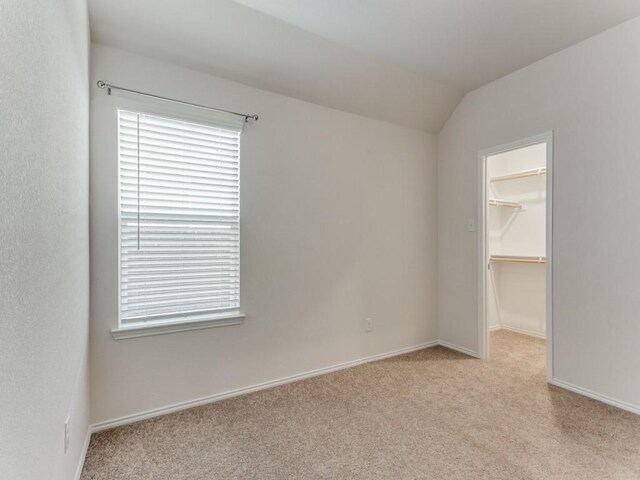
(102, 84)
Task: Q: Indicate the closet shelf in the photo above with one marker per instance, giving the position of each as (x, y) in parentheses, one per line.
(534, 172)
(517, 259)
(504, 203)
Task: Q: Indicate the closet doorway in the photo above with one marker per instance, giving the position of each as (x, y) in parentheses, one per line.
(515, 213)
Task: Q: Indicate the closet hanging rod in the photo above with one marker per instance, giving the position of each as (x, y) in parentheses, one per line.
(517, 259)
(504, 203)
(110, 87)
(525, 173)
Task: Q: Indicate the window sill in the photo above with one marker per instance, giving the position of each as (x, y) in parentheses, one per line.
(145, 330)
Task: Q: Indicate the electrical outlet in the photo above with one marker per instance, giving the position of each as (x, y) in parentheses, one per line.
(368, 325)
(66, 434)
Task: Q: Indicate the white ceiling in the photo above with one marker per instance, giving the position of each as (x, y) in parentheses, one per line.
(404, 61)
(466, 43)
(232, 41)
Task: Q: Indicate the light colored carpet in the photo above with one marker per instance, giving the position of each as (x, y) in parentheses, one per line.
(432, 414)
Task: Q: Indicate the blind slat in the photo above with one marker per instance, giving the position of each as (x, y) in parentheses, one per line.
(179, 218)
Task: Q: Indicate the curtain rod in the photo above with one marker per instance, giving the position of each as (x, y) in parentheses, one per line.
(102, 84)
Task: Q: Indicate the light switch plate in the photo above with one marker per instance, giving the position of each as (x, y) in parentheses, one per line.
(471, 225)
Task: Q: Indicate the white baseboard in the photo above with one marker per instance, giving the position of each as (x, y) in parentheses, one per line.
(83, 455)
(531, 333)
(320, 371)
(136, 417)
(596, 396)
(457, 348)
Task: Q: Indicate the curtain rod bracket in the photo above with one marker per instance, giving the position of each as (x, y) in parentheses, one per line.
(101, 84)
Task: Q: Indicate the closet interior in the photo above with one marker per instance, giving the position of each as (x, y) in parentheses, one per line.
(516, 240)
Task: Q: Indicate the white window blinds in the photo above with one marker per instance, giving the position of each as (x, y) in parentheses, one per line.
(179, 218)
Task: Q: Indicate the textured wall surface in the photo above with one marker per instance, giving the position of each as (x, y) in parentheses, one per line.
(44, 271)
(338, 224)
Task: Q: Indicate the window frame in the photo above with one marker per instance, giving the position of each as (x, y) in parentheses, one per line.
(178, 322)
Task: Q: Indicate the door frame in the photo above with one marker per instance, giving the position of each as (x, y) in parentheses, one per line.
(483, 327)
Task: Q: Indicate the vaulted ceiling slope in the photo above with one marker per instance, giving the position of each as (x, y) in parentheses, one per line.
(404, 61)
(466, 43)
(232, 41)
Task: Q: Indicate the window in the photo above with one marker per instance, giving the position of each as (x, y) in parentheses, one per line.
(179, 200)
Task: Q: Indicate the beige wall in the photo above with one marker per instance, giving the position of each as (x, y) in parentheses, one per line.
(44, 271)
(588, 95)
(338, 224)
